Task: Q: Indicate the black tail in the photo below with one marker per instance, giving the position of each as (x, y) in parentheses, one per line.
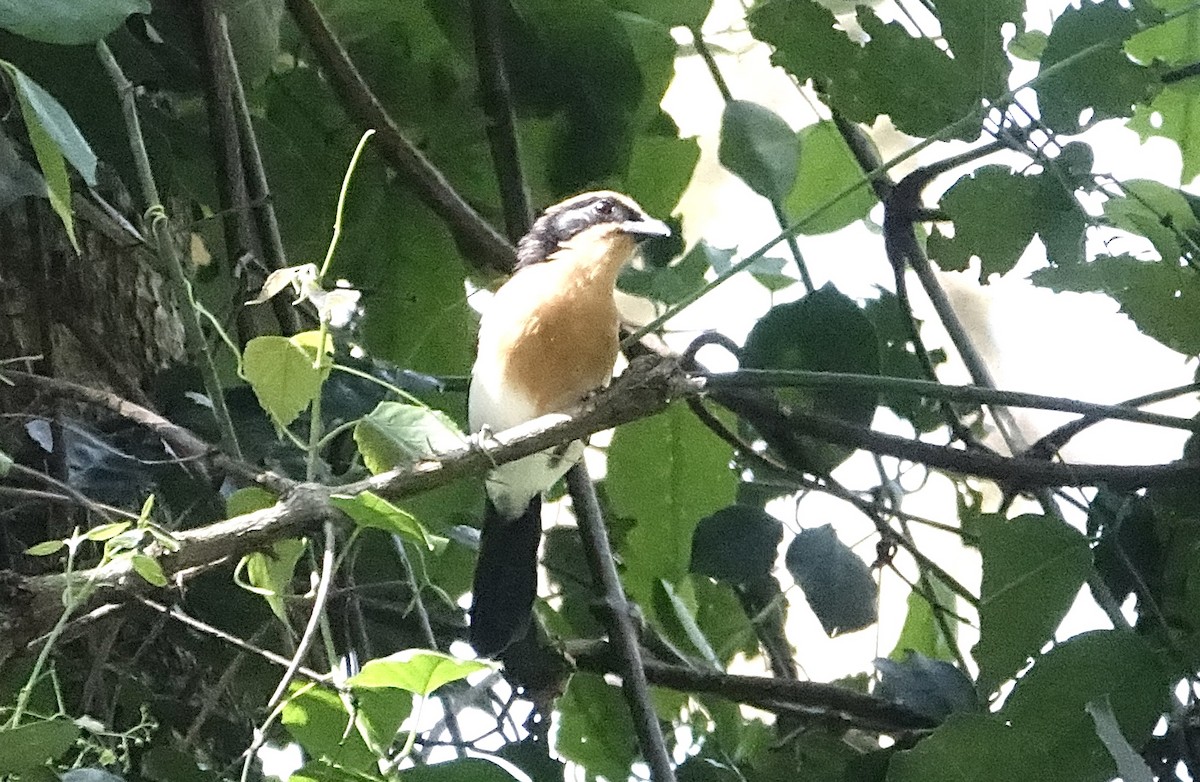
(505, 578)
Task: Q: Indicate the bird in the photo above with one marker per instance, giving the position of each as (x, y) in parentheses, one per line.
(548, 339)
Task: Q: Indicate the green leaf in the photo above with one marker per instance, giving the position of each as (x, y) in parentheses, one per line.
(1028, 45)
(1103, 84)
(836, 582)
(396, 435)
(1160, 298)
(416, 670)
(148, 568)
(1130, 765)
(54, 137)
(379, 715)
(67, 21)
(270, 573)
(595, 730)
(826, 167)
(317, 719)
(1033, 568)
(29, 746)
(107, 531)
(1174, 114)
(660, 168)
(995, 213)
(672, 13)
(670, 284)
(760, 148)
(922, 632)
(736, 544)
(898, 358)
(825, 331)
(247, 500)
(1160, 213)
(461, 770)
(969, 748)
(371, 510)
(45, 548)
(665, 472)
(281, 372)
(1049, 703)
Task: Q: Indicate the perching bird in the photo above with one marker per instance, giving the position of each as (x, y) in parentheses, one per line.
(548, 339)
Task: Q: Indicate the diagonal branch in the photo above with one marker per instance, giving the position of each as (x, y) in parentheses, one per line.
(480, 242)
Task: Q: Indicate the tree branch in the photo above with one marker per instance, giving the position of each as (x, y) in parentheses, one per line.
(480, 242)
(769, 693)
(623, 635)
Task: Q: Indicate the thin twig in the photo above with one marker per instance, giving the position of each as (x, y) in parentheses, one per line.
(266, 654)
(255, 174)
(630, 666)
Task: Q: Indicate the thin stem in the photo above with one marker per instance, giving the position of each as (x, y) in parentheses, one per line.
(156, 216)
(757, 378)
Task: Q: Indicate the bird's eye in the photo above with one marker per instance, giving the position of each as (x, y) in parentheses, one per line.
(605, 207)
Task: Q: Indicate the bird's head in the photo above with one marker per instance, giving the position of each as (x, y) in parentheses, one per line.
(605, 222)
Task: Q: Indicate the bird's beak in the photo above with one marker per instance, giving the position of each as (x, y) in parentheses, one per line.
(646, 227)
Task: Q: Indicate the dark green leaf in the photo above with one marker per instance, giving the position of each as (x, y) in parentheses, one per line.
(1129, 552)
(461, 770)
(29, 746)
(415, 670)
(666, 473)
(736, 544)
(166, 764)
(595, 730)
(837, 584)
(823, 332)
(1100, 84)
(968, 748)
(827, 167)
(898, 358)
(995, 213)
(396, 434)
(934, 688)
(66, 21)
(760, 148)
(672, 13)
(1049, 704)
(1033, 568)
